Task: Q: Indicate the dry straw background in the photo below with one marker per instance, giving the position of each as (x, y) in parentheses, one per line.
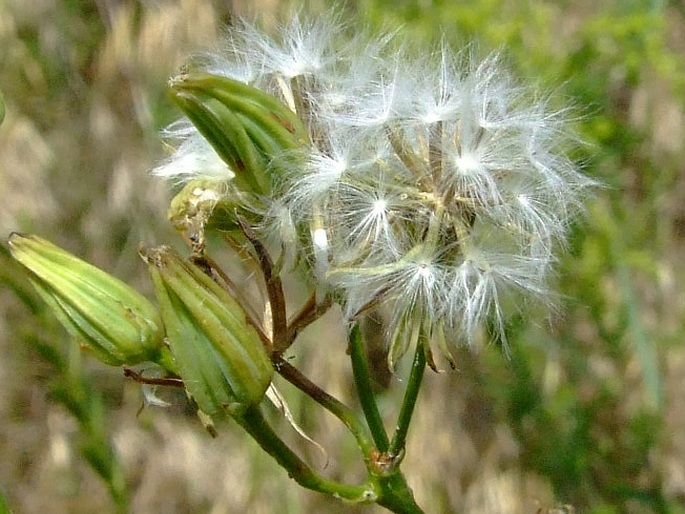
(590, 415)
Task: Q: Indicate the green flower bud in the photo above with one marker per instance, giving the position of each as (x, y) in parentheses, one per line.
(106, 316)
(246, 126)
(218, 352)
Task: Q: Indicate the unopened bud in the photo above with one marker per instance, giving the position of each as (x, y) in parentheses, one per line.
(246, 126)
(106, 316)
(218, 352)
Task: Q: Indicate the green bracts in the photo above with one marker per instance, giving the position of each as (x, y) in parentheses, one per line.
(247, 127)
(109, 318)
(218, 352)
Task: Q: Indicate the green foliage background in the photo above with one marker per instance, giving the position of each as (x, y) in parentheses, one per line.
(588, 411)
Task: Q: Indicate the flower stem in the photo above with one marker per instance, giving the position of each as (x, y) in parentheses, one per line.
(254, 423)
(409, 402)
(310, 312)
(362, 380)
(396, 496)
(341, 411)
(274, 288)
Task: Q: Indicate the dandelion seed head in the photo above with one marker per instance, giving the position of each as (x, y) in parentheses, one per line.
(435, 187)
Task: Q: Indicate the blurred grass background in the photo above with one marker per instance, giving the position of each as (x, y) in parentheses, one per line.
(587, 414)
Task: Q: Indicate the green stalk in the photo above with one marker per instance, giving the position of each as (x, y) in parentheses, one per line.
(341, 411)
(396, 496)
(409, 402)
(390, 492)
(362, 380)
(254, 423)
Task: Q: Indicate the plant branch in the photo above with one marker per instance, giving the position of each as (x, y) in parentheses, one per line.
(163, 381)
(274, 287)
(362, 380)
(409, 402)
(254, 423)
(341, 411)
(309, 313)
(396, 495)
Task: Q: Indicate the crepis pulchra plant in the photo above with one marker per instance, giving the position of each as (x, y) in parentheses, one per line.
(433, 188)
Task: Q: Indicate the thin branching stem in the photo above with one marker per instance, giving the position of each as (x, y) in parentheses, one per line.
(254, 423)
(161, 381)
(308, 314)
(274, 287)
(348, 417)
(409, 402)
(362, 380)
(396, 496)
(387, 487)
